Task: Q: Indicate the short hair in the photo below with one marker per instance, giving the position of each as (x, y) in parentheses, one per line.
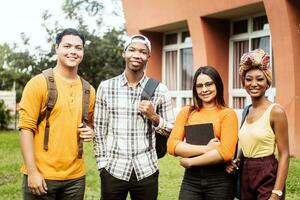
(215, 76)
(69, 31)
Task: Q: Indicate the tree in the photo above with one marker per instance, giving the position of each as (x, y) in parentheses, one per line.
(103, 57)
(103, 49)
(103, 52)
(15, 68)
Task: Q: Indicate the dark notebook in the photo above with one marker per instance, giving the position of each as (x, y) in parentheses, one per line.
(199, 134)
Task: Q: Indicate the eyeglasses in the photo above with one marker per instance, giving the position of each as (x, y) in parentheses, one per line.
(207, 85)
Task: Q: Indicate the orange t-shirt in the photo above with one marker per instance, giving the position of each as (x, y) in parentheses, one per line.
(224, 122)
(60, 161)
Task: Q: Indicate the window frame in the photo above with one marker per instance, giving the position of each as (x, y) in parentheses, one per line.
(174, 47)
(240, 92)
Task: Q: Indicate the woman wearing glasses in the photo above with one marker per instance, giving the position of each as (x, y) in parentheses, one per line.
(265, 127)
(205, 176)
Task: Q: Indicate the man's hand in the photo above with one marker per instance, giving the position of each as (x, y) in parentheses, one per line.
(36, 184)
(146, 107)
(86, 133)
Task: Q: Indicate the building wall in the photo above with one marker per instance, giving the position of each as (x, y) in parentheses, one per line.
(154, 66)
(285, 32)
(208, 24)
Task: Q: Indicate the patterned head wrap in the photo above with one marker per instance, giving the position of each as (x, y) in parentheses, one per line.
(256, 59)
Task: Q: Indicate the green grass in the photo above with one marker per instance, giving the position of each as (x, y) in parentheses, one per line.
(293, 181)
(169, 179)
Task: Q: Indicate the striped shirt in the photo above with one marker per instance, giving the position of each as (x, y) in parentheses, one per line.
(121, 143)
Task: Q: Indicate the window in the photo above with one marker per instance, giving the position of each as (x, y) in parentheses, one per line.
(186, 62)
(239, 47)
(185, 37)
(240, 26)
(178, 61)
(171, 68)
(171, 39)
(247, 34)
(260, 23)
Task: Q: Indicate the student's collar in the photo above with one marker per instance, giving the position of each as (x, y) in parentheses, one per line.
(66, 80)
(124, 80)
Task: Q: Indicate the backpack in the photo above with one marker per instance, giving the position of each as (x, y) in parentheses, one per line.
(51, 100)
(161, 140)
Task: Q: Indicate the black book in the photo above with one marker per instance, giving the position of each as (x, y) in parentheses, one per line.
(199, 134)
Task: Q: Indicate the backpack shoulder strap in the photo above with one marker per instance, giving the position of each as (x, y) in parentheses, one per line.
(52, 91)
(238, 152)
(50, 102)
(86, 90)
(245, 113)
(149, 89)
(147, 93)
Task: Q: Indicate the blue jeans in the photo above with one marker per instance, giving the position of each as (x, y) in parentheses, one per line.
(207, 183)
(72, 189)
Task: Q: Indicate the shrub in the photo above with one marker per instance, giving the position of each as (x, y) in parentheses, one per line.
(5, 116)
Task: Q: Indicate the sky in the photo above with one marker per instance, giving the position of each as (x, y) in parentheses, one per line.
(17, 16)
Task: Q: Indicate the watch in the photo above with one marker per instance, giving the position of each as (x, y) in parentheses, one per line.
(277, 192)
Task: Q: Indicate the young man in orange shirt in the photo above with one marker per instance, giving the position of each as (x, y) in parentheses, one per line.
(56, 172)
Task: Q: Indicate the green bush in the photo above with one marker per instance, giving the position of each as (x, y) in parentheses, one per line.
(5, 116)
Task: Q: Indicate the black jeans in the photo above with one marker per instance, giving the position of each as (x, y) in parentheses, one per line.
(115, 189)
(72, 189)
(207, 183)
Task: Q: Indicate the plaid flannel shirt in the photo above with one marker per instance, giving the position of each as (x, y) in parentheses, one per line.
(121, 143)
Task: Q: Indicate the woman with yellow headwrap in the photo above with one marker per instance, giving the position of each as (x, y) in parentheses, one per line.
(264, 128)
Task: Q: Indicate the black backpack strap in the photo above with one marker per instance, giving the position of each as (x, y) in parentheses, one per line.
(245, 113)
(149, 89)
(147, 93)
(239, 153)
(50, 102)
(85, 111)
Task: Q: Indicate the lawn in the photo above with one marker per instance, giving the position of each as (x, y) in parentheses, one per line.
(169, 180)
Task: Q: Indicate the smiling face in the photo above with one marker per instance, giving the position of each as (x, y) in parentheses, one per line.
(206, 90)
(256, 83)
(70, 51)
(136, 56)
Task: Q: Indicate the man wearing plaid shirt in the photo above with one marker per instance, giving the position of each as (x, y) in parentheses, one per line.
(121, 144)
